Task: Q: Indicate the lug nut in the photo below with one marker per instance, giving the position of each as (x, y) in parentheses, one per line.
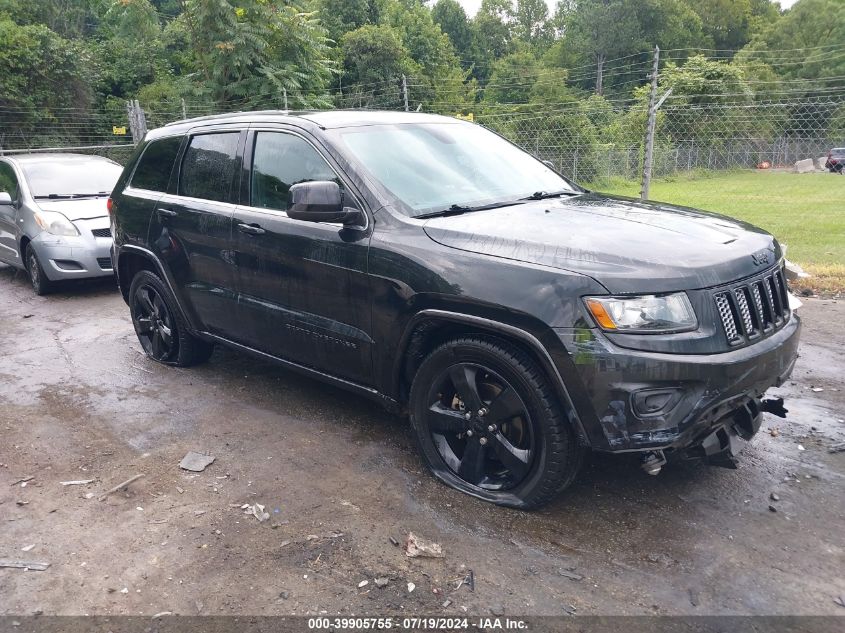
(492, 428)
(469, 433)
(482, 412)
(482, 440)
(468, 415)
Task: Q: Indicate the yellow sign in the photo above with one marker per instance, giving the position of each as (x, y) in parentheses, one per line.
(465, 117)
(118, 130)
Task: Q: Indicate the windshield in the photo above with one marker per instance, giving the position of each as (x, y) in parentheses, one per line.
(432, 167)
(70, 178)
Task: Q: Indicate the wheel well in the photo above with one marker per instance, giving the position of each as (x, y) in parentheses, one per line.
(24, 243)
(432, 332)
(128, 265)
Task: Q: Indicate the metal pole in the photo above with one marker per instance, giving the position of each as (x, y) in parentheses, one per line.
(285, 94)
(648, 161)
(405, 92)
(184, 109)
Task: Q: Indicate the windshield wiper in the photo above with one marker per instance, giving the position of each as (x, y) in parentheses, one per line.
(70, 196)
(457, 209)
(542, 195)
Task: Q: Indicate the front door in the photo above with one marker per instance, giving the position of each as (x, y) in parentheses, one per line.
(191, 230)
(9, 215)
(303, 285)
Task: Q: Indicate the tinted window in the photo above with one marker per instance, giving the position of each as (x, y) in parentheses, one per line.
(208, 166)
(153, 170)
(8, 181)
(279, 161)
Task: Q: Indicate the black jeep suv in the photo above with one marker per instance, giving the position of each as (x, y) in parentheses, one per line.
(428, 263)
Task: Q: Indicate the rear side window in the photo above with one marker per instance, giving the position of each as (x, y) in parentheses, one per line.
(208, 166)
(279, 161)
(153, 170)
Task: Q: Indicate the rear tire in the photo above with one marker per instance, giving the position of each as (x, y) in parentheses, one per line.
(159, 325)
(40, 283)
(489, 424)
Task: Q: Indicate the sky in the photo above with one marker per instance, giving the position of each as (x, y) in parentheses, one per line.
(471, 6)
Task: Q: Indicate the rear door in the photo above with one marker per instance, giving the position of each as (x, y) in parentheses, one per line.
(8, 215)
(191, 228)
(304, 293)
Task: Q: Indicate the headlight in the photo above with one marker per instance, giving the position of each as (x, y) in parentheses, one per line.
(649, 313)
(55, 223)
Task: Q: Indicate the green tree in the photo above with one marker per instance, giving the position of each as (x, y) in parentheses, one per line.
(530, 22)
(492, 25)
(341, 16)
(450, 16)
(374, 60)
(254, 51)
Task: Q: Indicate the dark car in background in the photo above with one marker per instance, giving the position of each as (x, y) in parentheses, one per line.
(431, 265)
(53, 218)
(835, 159)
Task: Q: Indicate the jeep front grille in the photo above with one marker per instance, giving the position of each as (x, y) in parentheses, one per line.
(753, 309)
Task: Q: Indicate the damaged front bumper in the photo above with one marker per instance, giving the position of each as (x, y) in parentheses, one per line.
(696, 405)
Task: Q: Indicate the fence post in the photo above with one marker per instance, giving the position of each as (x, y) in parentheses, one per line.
(184, 109)
(648, 161)
(137, 120)
(405, 91)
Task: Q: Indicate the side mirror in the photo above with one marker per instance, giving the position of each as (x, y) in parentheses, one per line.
(320, 201)
(5, 198)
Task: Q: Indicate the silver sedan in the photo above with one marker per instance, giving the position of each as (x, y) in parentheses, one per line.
(54, 222)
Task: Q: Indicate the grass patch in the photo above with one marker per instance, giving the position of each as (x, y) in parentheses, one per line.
(804, 211)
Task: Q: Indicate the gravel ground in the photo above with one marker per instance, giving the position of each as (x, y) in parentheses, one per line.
(340, 478)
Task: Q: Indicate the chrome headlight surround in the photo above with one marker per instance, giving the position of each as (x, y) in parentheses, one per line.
(644, 314)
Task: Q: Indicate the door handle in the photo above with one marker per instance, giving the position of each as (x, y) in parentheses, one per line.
(166, 213)
(251, 229)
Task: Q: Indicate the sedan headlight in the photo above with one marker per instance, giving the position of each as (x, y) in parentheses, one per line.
(648, 313)
(55, 223)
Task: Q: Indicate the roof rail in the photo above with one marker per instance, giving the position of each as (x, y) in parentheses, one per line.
(231, 115)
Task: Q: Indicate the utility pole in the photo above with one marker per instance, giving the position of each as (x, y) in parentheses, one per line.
(648, 161)
(405, 91)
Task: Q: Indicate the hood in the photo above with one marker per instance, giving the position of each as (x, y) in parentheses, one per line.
(81, 209)
(627, 245)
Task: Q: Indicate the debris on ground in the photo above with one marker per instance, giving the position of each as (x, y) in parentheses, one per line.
(196, 462)
(772, 508)
(77, 482)
(569, 574)
(161, 614)
(393, 541)
(774, 496)
(446, 603)
(120, 486)
(837, 448)
(381, 582)
(256, 510)
(468, 580)
(284, 595)
(774, 431)
(22, 481)
(411, 587)
(840, 600)
(416, 547)
(27, 548)
(693, 597)
(801, 448)
(363, 584)
(23, 564)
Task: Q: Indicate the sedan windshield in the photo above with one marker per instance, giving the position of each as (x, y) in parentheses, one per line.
(70, 178)
(438, 167)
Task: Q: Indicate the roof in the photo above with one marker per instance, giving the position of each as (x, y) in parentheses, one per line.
(326, 119)
(55, 157)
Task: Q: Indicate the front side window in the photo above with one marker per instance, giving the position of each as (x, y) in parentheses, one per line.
(432, 166)
(279, 161)
(153, 170)
(8, 181)
(208, 166)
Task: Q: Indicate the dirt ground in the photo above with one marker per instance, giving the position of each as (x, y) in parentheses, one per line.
(340, 478)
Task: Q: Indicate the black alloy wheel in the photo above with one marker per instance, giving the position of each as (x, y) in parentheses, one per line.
(489, 423)
(154, 323)
(481, 427)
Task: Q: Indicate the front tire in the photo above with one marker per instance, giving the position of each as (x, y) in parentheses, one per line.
(160, 328)
(489, 424)
(37, 277)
